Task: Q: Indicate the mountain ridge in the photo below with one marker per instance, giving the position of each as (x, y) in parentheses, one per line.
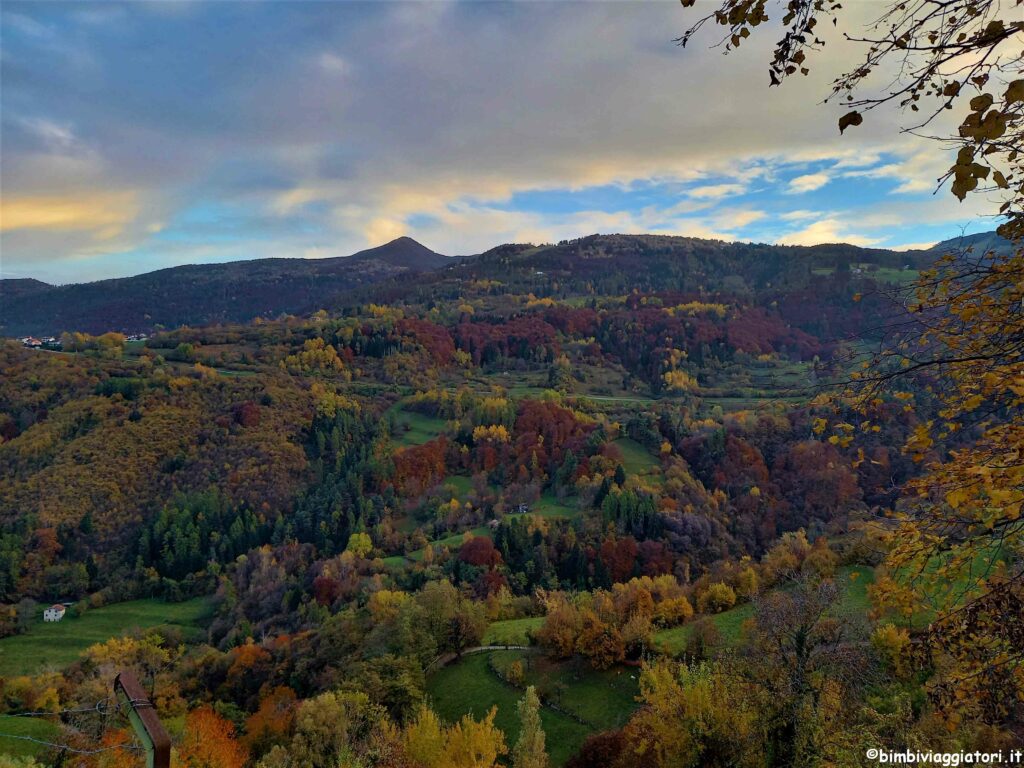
(239, 291)
(980, 243)
(202, 294)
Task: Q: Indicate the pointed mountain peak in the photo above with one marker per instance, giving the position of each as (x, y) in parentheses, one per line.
(404, 252)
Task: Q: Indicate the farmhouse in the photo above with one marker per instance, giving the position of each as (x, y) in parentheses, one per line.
(54, 613)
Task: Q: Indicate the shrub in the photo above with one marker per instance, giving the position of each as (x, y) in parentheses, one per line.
(716, 598)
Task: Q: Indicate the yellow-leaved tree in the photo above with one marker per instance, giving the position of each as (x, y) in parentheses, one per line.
(956, 553)
(956, 356)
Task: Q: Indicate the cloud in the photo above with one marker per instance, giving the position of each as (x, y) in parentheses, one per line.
(105, 215)
(303, 133)
(334, 64)
(715, 191)
(808, 182)
(54, 136)
(916, 172)
(913, 246)
(826, 231)
(738, 219)
(799, 215)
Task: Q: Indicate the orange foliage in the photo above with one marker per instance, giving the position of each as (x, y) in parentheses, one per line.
(209, 742)
(274, 719)
(420, 466)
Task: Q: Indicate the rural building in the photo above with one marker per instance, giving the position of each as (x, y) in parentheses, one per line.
(54, 613)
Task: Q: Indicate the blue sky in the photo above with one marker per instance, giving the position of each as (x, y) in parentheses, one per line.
(139, 136)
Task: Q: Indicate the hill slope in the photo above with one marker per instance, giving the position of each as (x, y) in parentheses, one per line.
(981, 243)
(203, 294)
(24, 286)
(239, 291)
(404, 253)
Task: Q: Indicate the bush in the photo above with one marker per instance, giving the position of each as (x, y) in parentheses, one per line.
(515, 673)
(673, 611)
(716, 598)
(892, 643)
(821, 560)
(704, 638)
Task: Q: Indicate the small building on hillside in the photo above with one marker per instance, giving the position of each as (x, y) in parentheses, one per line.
(54, 613)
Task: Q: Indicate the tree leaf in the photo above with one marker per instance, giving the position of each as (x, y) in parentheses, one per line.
(1014, 92)
(850, 118)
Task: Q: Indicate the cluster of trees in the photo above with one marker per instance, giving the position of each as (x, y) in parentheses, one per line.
(198, 530)
(527, 337)
(607, 627)
(810, 686)
(339, 727)
(109, 345)
(312, 465)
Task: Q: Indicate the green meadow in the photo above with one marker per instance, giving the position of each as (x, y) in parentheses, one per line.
(470, 686)
(57, 644)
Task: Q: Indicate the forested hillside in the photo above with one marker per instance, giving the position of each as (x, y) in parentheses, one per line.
(268, 288)
(614, 454)
(202, 294)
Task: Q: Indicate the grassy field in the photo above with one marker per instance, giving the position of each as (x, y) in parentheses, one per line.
(729, 623)
(604, 698)
(416, 428)
(881, 274)
(636, 459)
(751, 384)
(856, 580)
(460, 484)
(469, 687)
(452, 542)
(550, 506)
(60, 643)
(511, 631)
(890, 275)
(731, 404)
(44, 729)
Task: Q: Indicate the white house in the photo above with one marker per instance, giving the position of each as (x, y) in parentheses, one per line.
(54, 613)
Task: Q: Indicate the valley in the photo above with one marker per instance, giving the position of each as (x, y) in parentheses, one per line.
(440, 494)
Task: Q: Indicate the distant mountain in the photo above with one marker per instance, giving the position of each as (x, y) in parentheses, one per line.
(404, 253)
(981, 243)
(617, 264)
(406, 270)
(203, 294)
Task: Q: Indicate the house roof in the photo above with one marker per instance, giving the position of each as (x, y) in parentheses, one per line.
(56, 607)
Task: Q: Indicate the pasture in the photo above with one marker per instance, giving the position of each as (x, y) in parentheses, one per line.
(55, 645)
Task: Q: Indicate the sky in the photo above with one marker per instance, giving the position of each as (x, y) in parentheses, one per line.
(145, 135)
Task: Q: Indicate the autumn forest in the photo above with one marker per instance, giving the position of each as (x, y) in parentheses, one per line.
(608, 501)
